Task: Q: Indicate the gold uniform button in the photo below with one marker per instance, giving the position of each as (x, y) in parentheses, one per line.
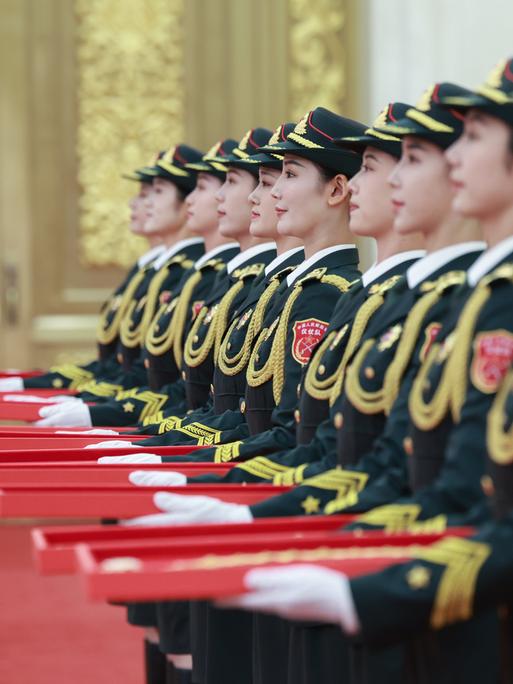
(195, 338)
(243, 406)
(487, 485)
(229, 346)
(369, 373)
(212, 388)
(257, 358)
(408, 446)
(338, 420)
(322, 369)
(146, 363)
(297, 415)
(184, 376)
(298, 390)
(120, 358)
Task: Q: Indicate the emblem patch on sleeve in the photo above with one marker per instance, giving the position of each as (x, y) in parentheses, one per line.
(307, 335)
(493, 353)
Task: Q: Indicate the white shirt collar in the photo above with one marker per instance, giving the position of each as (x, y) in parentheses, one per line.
(311, 261)
(148, 256)
(488, 260)
(175, 249)
(423, 268)
(381, 267)
(213, 253)
(280, 259)
(247, 254)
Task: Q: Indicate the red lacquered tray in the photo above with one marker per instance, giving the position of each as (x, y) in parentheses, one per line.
(79, 455)
(186, 572)
(32, 431)
(122, 501)
(90, 472)
(54, 546)
(45, 393)
(57, 441)
(15, 373)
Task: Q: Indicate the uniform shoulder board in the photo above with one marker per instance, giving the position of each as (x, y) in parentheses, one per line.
(282, 274)
(314, 275)
(216, 264)
(247, 271)
(388, 284)
(445, 281)
(502, 273)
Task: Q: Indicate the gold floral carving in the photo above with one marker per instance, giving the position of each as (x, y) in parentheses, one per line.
(130, 103)
(317, 55)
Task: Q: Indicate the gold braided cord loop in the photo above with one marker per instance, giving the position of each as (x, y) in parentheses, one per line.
(279, 350)
(499, 439)
(459, 360)
(363, 400)
(463, 560)
(132, 335)
(77, 375)
(106, 332)
(317, 388)
(196, 356)
(231, 365)
(173, 335)
(159, 341)
(219, 317)
(412, 328)
(427, 415)
(360, 323)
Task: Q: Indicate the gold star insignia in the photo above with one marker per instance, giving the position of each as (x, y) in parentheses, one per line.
(311, 505)
(128, 407)
(418, 577)
(57, 383)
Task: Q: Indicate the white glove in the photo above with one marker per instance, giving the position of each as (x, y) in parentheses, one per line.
(111, 444)
(11, 384)
(39, 400)
(130, 458)
(190, 510)
(53, 408)
(73, 414)
(94, 431)
(157, 478)
(299, 592)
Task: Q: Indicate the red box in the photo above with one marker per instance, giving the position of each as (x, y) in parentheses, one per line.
(54, 546)
(114, 502)
(80, 454)
(210, 568)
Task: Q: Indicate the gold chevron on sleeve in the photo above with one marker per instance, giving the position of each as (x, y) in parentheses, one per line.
(262, 467)
(77, 375)
(227, 452)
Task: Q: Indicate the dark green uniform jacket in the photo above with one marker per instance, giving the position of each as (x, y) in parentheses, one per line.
(283, 349)
(384, 344)
(133, 405)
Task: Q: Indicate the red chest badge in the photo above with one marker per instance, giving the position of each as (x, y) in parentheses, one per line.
(493, 353)
(307, 335)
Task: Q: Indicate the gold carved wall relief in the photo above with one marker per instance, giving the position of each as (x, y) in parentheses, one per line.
(130, 102)
(317, 55)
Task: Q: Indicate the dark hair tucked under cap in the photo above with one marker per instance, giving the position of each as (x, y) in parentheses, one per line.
(429, 119)
(172, 167)
(213, 162)
(314, 138)
(144, 174)
(494, 96)
(248, 146)
(372, 136)
(267, 159)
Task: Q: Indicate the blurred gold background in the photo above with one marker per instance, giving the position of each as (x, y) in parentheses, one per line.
(91, 89)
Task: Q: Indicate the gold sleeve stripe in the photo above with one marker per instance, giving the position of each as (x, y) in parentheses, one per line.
(77, 375)
(393, 518)
(227, 452)
(463, 560)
